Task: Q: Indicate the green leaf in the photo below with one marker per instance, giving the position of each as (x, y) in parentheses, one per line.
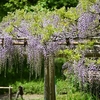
(9, 29)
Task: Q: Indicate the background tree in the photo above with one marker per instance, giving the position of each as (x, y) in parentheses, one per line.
(12, 5)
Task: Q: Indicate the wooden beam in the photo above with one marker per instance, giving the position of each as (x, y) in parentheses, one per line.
(14, 38)
(91, 54)
(96, 54)
(5, 87)
(20, 38)
(95, 37)
(16, 41)
(1, 38)
(76, 43)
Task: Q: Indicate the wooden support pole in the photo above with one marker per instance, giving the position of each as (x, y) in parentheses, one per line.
(10, 93)
(49, 78)
(46, 79)
(2, 42)
(52, 77)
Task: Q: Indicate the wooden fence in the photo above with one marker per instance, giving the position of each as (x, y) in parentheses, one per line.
(10, 91)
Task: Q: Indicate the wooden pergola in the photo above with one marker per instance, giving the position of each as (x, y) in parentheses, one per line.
(49, 69)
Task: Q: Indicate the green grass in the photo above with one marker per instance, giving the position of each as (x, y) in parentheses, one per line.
(33, 87)
(65, 90)
(61, 97)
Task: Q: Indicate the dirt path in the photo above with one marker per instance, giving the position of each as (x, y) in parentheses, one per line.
(26, 97)
(33, 97)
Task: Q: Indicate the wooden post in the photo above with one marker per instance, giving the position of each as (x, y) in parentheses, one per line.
(52, 77)
(46, 79)
(10, 93)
